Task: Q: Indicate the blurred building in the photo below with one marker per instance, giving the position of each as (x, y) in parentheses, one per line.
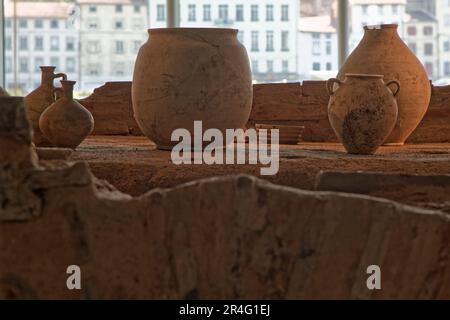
(36, 34)
(111, 33)
(374, 12)
(267, 28)
(318, 56)
(443, 17)
(421, 34)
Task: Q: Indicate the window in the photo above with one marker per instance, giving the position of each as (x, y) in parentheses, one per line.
(191, 12)
(54, 61)
(413, 47)
(412, 31)
(8, 23)
(223, 12)
(365, 9)
(92, 9)
(241, 36)
(118, 25)
(269, 41)
(429, 68)
(316, 66)
(328, 48)
(270, 66)
(446, 46)
(161, 12)
(329, 68)
(285, 12)
(54, 24)
(285, 41)
(447, 68)
(255, 66)
(38, 24)
(23, 64)
(70, 44)
(254, 12)
(94, 69)
(447, 20)
(8, 43)
(70, 64)
(23, 23)
(119, 69)
(136, 46)
(54, 43)
(119, 8)
(395, 8)
(93, 47)
(316, 48)
(255, 41)
(206, 12)
(428, 31)
(285, 66)
(119, 47)
(23, 43)
(380, 9)
(137, 8)
(92, 25)
(8, 64)
(269, 12)
(428, 48)
(38, 43)
(38, 62)
(239, 12)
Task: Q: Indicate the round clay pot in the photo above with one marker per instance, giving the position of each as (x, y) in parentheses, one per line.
(382, 51)
(362, 111)
(66, 123)
(39, 100)
(183, 75)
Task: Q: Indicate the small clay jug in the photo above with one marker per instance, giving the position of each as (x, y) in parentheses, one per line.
(3, 93)
(39, 99)
(362, 111)
(66, 123)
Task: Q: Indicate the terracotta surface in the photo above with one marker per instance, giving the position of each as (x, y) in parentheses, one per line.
(382, 51)
(285, 103)
(39, 100)
(66, 123)
(187, 74)
(234, 237)
(134, 166)
(362, 111)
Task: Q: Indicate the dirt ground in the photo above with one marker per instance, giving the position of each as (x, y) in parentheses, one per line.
(134, 166)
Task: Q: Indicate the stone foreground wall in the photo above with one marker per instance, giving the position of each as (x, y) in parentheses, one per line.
(290, 103)
(231, 237)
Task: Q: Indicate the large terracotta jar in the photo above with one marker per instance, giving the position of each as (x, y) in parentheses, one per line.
(362, 111)
(186, 74)
(66, 123)
(39, 99)
(382, 51)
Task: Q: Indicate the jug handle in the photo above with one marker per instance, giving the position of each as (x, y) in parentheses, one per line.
(397, 84)
(55, 91)
(60, 75)
(330, 84)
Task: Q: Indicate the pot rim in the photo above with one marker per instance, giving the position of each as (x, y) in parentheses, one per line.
(381, 26)
(363, 75)
(188, 30)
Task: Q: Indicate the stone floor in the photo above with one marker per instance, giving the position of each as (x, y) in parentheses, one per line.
(134, 166)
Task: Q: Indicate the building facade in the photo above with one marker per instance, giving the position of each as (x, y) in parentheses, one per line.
(318, 57)
(267, 28)
(111, 33)
(421, 34)
(37, 34)
(443, 17)
(374, 12)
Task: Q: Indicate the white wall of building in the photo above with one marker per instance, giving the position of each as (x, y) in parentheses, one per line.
(443, 17)
(224, 14)
(373, 12)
